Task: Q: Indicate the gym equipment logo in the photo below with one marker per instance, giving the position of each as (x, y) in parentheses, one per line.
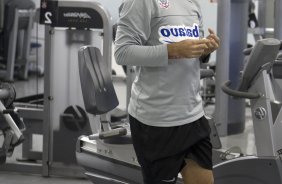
(164, 4)
(82, 15)
(171, 34)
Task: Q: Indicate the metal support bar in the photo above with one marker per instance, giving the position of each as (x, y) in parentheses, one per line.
(232, 19)
(47, 125)
(26, 43)
(262, 13)
(222, 67)
(2, 15)
(9, 74)
(278, 19)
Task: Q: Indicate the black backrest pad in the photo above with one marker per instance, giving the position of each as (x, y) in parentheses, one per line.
(277, 69)
(265, 51)
(97, 88)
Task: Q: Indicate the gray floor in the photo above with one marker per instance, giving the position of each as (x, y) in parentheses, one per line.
(33, 86)
(16, 178)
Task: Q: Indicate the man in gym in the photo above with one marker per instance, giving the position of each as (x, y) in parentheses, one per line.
(164, 40)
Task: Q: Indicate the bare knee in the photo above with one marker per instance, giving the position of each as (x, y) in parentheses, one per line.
(193, 173)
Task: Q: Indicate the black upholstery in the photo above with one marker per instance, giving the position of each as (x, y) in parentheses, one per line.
(97, 88)
(277, 69)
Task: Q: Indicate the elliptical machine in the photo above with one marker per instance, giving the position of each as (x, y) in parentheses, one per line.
(260, 84)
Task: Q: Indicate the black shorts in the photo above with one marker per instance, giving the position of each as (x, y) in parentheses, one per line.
(161, 151)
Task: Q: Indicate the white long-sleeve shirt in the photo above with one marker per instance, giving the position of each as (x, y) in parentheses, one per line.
(165, 92)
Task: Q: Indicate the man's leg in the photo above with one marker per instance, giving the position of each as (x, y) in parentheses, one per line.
(193, 173)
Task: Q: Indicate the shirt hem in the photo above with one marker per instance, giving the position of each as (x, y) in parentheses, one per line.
(170, 124)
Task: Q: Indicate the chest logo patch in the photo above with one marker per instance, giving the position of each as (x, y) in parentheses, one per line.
(171, 34)
(164, 4)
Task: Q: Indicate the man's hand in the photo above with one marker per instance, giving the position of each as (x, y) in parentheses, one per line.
(213, 44)
(188, 48)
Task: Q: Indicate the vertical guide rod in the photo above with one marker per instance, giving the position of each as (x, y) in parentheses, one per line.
(278, 19)
(222, 66)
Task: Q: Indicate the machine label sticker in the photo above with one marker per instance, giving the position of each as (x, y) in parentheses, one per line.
(79, 18)
(164, 4)
(171, 34)
(77, 15)
(47, 12)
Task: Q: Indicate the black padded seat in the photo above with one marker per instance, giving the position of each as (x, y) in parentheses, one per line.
(97, 87)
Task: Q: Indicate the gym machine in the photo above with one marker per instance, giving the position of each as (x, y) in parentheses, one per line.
(16, 21)
(73, 25)
(61, 119)
(260, 84)
(11, 126)
(232, 29)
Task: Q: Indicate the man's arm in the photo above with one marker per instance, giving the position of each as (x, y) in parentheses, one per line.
(132, 34)
(187, 49)
(213, 44)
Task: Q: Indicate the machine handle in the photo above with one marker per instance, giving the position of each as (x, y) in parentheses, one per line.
(9, 111)
(239, 94)
(206, 73)
(109, 134)
(247, 51)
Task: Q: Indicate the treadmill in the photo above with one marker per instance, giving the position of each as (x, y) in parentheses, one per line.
(107, 155)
